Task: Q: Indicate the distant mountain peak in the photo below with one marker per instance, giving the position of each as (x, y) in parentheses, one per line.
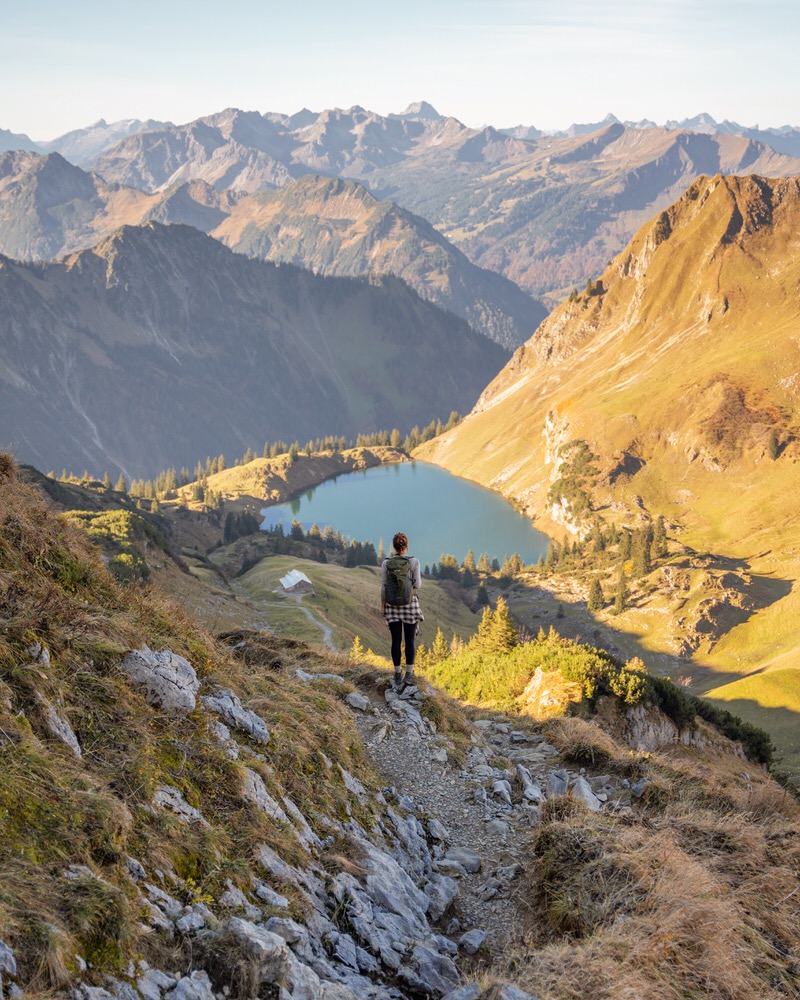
(420, 109)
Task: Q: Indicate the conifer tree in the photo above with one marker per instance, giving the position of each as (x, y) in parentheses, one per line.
(440, 649)
(621, 595)
(596, 600)
(483, 637)
(357, 651)
(121, 485)
(469, 561)
(503, 631)
(659, 546)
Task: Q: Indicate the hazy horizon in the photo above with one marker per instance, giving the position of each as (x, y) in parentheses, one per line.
(545, 64)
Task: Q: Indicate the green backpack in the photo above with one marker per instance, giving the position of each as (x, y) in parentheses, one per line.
(399, 585)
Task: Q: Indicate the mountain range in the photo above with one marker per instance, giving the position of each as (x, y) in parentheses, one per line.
(545, 211)
(160, 345)
(49, 207)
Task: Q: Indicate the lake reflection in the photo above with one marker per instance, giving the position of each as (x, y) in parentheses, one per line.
(439, 512)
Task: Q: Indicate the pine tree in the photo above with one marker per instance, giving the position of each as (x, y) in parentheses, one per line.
(440, 649)
(621, 595)
(503, 630)
(659, 546)
(482, 638)
(469, 561)
(357, 651)
(121, 485)
(596, 600)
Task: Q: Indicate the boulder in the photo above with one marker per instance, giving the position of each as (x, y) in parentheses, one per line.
(582, 792)
(471, 941)
(357, 700)
(429, 972)
(168, 680)
(196, 986)
(153, 983)
(557, 784)
(463, 856)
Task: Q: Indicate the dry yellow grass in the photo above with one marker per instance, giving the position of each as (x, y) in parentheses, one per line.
(695, 898)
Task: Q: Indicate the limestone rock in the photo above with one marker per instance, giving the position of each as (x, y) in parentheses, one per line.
(469, 860)
(582, 791)
(429, 971)
(469, 992)
(471, 941)
(169, 797)
(441, 890)
(227, 705)
(649, 729)
(58, 727)
(196, 986)
(255, 791)
(557, 784)
(168, 680)
(152, 984)
(358, 701)
(510, 992)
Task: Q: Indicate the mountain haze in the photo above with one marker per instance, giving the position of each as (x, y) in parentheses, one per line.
(338, 228)
(160, 346)
(546, 212)
(49, 207)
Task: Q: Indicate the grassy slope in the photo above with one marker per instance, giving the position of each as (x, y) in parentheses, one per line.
(347, 600)
(277, 479)
(689, 362)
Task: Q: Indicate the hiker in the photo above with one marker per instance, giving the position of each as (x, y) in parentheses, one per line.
(400, 581)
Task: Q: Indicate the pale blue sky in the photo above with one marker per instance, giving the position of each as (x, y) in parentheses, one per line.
(548, 63)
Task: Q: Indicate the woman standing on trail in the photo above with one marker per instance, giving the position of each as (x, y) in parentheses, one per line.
(400, 581)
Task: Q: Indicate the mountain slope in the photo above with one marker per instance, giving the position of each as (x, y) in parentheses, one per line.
(49, 207)
(160, 346)
(338, 228)
(681, 373)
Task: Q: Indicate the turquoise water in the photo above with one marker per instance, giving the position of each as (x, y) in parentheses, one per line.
(439, 512)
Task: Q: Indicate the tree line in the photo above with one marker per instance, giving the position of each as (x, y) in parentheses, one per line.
(166, 484)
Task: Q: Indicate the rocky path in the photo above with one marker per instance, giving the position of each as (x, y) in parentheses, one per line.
(479, 810)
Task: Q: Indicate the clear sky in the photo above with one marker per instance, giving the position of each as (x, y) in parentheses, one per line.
(66, 63)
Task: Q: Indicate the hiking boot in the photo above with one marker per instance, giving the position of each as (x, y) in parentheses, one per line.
(397, 682)
(410, 679)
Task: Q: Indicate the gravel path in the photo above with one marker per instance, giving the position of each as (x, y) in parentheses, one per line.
(471, 802)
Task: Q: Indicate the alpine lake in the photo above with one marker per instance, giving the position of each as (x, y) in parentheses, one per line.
(440, 513)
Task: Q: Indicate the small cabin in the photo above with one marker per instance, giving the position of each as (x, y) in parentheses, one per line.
(296, 582)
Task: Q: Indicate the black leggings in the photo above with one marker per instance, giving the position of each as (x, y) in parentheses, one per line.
(398, 629)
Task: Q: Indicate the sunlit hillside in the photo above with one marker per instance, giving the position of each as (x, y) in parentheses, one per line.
(679, 368)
